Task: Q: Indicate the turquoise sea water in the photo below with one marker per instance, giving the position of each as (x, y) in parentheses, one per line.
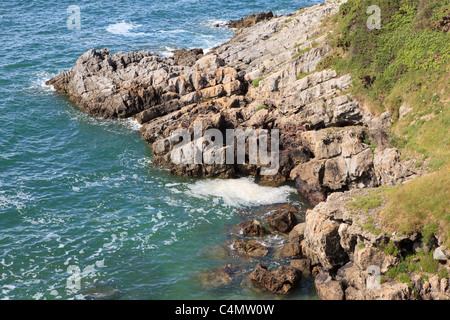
(79, 198)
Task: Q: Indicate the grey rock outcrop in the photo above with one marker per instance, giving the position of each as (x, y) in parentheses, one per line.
(279, 281)
(266, 77)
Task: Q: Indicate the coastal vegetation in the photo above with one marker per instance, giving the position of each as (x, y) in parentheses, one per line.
(403, 68)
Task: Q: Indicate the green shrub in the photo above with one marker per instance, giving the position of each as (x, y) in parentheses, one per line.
(390, 249)
(261, 107)
(428, 264)
(404, 277)
(428, 234)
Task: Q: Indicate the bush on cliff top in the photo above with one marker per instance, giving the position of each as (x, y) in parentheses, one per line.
(421, 205)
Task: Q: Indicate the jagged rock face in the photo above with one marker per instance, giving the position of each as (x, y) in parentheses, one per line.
(252, 228)
(250, 20)
(283, 221)
(125, 84)
(321, 126)
(327, 288)
(187, 57)
(323, 241)
(264, 78)
(280, 281)
(292, 248)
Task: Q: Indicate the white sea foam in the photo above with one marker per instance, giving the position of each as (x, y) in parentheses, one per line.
(131, 124)
(124, 29)
(38, 83)
(167, 52)
(239, 192)
(215, 22)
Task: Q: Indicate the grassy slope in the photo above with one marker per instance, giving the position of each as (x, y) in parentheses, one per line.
(405, 62)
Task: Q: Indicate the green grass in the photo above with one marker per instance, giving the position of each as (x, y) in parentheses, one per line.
(428, 233)
(369, 142)
(422, 262)
(403, 62)
(403, 47)
(390, 249)
(302, 75)
(416, 263)
(261, 107)
(366, 203)
(421, 205)
(256, 82)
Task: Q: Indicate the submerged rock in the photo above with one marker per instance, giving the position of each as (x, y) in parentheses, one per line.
(221, 276)
(249, 248)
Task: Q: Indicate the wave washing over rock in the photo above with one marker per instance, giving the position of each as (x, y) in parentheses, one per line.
(266, 77)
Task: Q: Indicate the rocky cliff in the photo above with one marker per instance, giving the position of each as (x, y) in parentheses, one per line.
(266, 77)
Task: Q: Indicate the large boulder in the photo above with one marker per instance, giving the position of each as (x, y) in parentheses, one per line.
(292, 248)
(283, 221)
(250, 20)
(249, 248)
(322, 241)
(327, 288)
(187, 57)
(303, 264)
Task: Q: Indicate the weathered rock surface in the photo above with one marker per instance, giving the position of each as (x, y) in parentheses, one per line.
(282, 221)
(280, 281)
(327, 288)
(187, 57)
(219, 277)
(351, 258)
(304, 265)
(272, 63)
(250, 20)
(252, 228)
(292, 248)
(266, 77)
(249, 248)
